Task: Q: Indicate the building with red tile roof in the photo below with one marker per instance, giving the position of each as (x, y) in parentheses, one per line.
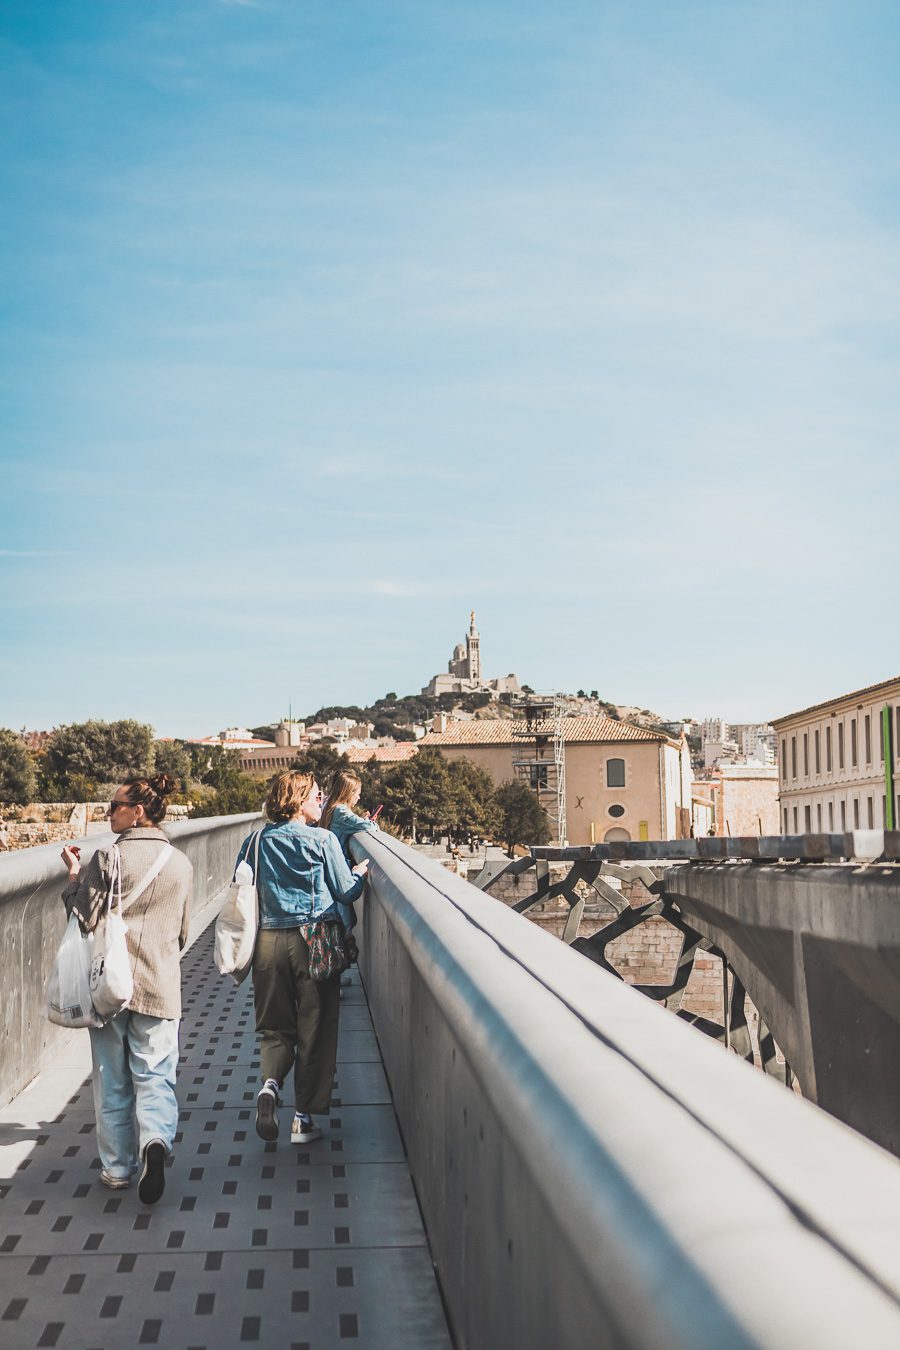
(398, 752)
(623, 781)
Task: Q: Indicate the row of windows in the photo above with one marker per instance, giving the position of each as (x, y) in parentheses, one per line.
(854, 813)
(834, 746)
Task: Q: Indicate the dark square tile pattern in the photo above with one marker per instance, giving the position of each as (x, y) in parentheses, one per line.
(251, 1243)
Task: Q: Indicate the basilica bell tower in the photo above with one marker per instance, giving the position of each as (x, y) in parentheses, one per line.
(473, 649)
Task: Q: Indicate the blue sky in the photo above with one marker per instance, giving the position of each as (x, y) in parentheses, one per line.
(323, 323)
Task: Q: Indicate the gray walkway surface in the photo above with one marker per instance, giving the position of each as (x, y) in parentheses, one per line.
(297, 1248)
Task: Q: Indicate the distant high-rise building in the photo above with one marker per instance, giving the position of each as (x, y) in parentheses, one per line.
(729, 743)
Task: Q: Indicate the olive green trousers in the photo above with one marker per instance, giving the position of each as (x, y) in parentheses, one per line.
(296, 1017)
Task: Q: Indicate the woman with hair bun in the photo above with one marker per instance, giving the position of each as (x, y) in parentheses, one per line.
(135, 1053)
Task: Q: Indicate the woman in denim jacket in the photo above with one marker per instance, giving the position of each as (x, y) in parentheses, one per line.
(302, 877)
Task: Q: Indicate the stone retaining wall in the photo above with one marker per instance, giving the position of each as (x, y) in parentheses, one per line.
(55, 822)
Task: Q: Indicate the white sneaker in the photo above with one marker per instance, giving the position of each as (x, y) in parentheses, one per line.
(114, 1183)
(267, 1113)
(304, 1130)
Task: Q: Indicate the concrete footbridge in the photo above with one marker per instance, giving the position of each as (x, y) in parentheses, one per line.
(522, 1151)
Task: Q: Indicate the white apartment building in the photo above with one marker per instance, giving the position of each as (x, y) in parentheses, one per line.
(833, 772)
(713, 729)
(730, 743)
(757, 742)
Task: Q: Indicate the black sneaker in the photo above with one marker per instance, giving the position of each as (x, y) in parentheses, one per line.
(153, 1177)
(267, 1113)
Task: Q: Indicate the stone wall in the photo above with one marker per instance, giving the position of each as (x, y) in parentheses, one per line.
(744, 804)
(55, 822)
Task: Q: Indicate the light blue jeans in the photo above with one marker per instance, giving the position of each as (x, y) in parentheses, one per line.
(135, 1059)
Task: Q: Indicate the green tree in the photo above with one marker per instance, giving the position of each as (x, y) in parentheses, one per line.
(266, 733)
(522, 818)
(383, 726)
(235, 797)
(322, 761)
(418, 794)
(171, 757)
(473, 800)
(372, 794)
(403, 711)
(96, 753)
(17, 776)
(214, 766)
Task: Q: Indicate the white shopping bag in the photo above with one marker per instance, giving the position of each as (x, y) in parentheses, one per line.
(238, 921)
(67, 1001)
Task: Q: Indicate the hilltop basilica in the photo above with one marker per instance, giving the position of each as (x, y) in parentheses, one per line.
(464, 671)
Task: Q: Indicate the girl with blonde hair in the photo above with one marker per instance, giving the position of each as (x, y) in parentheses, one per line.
(302, 876)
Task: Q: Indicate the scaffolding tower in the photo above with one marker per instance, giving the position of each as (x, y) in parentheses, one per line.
(539, 754)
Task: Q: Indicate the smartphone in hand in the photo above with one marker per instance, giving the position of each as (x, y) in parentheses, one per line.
(377, 812)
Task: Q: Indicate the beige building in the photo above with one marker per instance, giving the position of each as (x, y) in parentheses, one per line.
(622, 781)
(737, 800)
(269, 759)
(833, 773)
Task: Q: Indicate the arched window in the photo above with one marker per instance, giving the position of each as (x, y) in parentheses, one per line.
(615, 773)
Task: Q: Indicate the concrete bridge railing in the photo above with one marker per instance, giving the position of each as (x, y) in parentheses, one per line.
(591, 1170)
(32, 922)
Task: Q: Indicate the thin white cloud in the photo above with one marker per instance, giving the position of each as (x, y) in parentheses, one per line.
(386, 588)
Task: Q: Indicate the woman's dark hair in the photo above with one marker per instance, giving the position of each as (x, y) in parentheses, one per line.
(151, 793)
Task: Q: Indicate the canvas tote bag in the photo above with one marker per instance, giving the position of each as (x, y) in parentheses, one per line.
(112, 981)
(239, 919)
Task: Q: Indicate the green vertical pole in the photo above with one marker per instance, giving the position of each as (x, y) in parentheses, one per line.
(887, 740)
